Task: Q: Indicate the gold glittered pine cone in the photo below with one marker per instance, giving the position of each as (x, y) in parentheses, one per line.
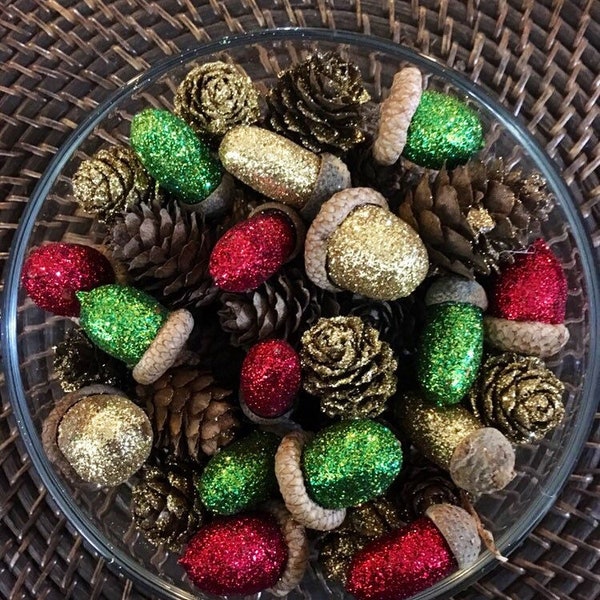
(347, 366)
(472, 218)
(190, 415)
(317, 103)
(215, 97)
(166, 251)
(112, 181)
(519, 396)
(165, 505)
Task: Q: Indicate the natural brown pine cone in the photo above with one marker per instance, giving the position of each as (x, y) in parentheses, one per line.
(317, 103)
(215, 97)
(166, 252)
(112, 181)
(347, 367)
(190, 415)
(165, 505)
(473, 217)
(519, 396)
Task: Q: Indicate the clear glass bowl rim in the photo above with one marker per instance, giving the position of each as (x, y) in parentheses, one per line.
(119, 560)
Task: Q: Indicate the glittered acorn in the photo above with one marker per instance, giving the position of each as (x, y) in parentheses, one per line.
(180, 161)
(344, 465)
(133, 327)
(246, 554)
(97, 435)
(443, 130)
(408, 560)
(52, 274)
(241, 475)
(356, 244)
(479, 459)
(269, 380)
(451, 344)
(528, 304)
(255, 249)
(282, 170)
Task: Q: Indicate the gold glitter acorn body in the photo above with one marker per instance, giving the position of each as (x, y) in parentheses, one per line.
(479, 459)
(281, 170)
(356, 244)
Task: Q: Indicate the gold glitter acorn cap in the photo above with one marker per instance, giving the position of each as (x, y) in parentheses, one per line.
(456, 289)
(165, 348)
(288, 470)
(396, 113)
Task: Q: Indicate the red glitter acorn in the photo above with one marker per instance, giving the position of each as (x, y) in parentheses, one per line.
(269, 380)
(527, 304)
(255, 249)
(54, 272)
(409, 560)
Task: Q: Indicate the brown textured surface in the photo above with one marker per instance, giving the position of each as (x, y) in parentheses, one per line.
(60, 58)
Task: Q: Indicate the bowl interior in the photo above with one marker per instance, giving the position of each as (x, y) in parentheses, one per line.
(30, 334)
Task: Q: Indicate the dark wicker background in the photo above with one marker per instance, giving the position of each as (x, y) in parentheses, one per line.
(60, 58)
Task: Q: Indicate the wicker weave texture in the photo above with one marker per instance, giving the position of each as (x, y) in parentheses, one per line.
(60, 58)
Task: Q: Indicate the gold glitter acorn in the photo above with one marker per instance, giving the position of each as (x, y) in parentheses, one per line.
(97, 435)
(215, 97)
(356, 244)
(479, 459)
(347, 367)
(519, 396)
(281, 170)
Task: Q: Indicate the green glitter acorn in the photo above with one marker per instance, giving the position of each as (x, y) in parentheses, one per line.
(240, 475)
(443, 129)
(174, 155)
(350, 463)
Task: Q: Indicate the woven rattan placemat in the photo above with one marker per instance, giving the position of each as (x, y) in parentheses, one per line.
(60, 58)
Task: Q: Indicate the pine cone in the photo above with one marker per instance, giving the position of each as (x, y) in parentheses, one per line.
(519, 396)
(348, 367)
(166, 507)
(215, 97)
(112, 181)
(475, 216)
(317, 103)
(280, 307)
(189, 413)
(166, 252)
(78, 362)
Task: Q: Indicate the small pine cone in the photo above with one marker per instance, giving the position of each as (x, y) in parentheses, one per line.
(113, 181)
(190, 415)
(519, 396)
(215, 97)
(78, 363)
(317, 103)
(348, 367)
(473, 217)
(166, 252)
(165, 505)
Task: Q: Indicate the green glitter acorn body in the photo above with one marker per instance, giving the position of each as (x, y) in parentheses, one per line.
(450, 351)
(443, 129)
(174, 155)
(121, 320)
(350, 463)
(241, 475)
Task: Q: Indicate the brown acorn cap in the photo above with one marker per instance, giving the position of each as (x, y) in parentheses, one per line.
(460, 531)
(218, 202)
(483, 462)
(453, 288)
(333, 176)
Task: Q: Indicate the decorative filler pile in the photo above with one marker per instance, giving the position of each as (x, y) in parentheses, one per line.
(314, 321)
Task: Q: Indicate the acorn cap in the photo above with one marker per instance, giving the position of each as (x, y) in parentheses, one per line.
(330, 217)
(290, 477)
(261, 420)
(525, 337)
(165, 348)
(333, 176)
(483, 462)
(460, 531)
(218, 202)
(456, 289)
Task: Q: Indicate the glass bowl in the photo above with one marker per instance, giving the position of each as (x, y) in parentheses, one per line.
(28, 334)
